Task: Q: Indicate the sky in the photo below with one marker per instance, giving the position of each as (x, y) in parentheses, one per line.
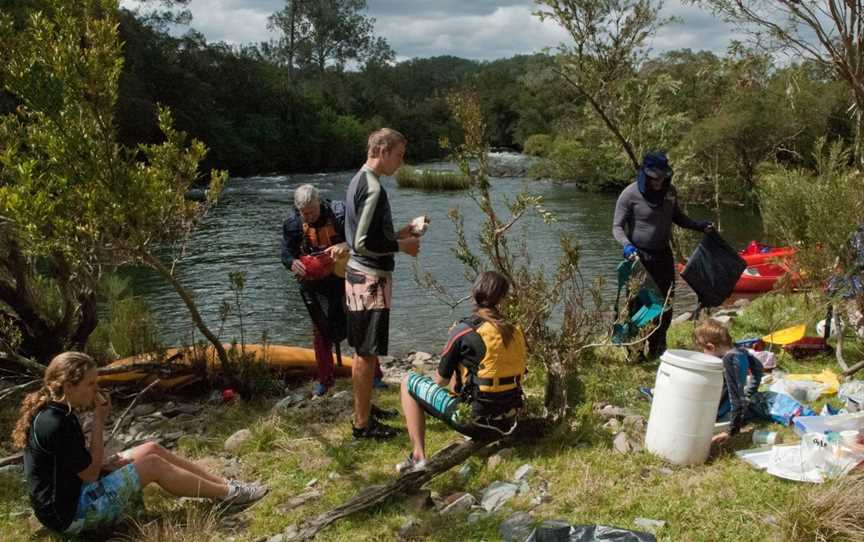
(475, 29)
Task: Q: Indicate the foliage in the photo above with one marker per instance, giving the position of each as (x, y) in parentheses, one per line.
(829, 512)
(538, 145)
(430, 179)
(74, 201)
(535, 294)
(815, 212)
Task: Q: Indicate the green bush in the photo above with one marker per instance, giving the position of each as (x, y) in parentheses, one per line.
(591, 166)
(538, 145)
(126, 326)
(408, 177)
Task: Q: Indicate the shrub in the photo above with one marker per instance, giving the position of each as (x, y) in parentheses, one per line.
(538, 145)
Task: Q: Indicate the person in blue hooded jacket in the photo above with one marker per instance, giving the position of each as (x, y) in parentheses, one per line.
(643, 220)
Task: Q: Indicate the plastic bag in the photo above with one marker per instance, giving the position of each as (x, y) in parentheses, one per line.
(713, 270)
(586, 533)
(853, 395)
(779, 407)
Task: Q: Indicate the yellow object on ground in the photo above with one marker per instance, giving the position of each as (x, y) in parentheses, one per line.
(786, 336)
(827, 377)
(277, 357)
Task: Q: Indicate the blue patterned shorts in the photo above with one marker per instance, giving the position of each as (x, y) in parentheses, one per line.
(104, 501)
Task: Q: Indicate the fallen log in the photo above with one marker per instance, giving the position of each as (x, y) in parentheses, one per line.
(13, 459)
(442, 461)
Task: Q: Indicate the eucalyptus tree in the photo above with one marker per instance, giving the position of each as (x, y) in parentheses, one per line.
(608, 46)
(827, 32)
(73, 202)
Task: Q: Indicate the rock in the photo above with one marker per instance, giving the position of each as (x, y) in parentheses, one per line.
(516, 528)
(409, 529)
(523, 473)
(290, 400)
(339, 395)
(464, 471)
(742, 303)
(613, 425)
(386, 360)
(333, 476)
(300, 500)
(312, 482)
(634, 423)
(723, 319)
(459, 505)
(507, 453)
(726, 312)
(143, 410)
(420, 359)
(237, 440)
(683, 317)
(621, 444)
(476, 516)
(610, 411)
(497, 495)
(493, 461)
(290, 533)
(650, 525)
(524, 488)
(417, 502)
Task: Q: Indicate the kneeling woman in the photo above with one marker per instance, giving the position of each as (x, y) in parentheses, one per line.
(477, 389)
(69, 488)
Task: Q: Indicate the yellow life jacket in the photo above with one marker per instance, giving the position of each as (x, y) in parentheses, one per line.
(503, 367)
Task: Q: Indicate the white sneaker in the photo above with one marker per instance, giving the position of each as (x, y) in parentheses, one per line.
(411, 465)
(241, 494)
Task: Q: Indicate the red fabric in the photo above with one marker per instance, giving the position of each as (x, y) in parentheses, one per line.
(318, 266)
(323, 357)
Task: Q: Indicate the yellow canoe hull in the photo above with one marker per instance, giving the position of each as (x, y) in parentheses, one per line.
(279, 358)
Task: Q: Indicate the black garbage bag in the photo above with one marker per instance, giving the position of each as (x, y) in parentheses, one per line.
(559, 531)
(713, 269)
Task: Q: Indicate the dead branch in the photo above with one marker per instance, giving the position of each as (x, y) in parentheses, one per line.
(128, 408)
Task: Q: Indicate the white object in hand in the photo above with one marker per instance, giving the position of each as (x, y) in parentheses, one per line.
(419, 225)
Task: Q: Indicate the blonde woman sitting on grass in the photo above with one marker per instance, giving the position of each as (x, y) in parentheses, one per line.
(73, 487)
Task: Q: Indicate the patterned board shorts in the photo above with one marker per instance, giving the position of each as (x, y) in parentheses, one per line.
(105, 501)
(368, 298)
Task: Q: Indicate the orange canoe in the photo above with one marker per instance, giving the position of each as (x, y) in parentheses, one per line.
(280, 358)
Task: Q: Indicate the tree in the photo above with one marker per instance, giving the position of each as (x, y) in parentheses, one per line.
(828, 32)
(608, 47)
(73, 202)
(316, 33)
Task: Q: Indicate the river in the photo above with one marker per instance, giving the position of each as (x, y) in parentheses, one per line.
(243, 234)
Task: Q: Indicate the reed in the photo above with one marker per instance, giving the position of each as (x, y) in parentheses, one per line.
(425, 179)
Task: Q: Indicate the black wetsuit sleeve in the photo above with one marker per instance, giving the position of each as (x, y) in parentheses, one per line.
(622, 218)
(756, 371)
(292, 236)
(338, 209)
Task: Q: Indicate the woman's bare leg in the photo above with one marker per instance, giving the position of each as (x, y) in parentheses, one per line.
(176, 480)
(151, 448)
(415, 421)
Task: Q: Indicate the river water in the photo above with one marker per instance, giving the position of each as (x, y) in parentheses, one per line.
(243, 234)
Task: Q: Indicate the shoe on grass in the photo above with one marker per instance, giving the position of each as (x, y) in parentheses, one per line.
(375, 430)
(383, 413)
(647, 392)
(379, 384)
(320, 389)
(411, 465)
(241, 494)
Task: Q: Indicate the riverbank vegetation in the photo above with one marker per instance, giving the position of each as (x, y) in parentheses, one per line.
(430, 179)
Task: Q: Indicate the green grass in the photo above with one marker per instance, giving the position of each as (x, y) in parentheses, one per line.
(588, 482)
(428, 179)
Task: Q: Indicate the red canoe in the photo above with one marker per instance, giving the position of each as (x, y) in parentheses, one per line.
(760, 278)
(756, 254)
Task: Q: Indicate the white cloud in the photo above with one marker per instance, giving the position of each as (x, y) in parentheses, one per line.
(477, 29)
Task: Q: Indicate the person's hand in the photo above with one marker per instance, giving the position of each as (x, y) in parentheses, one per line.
(720, 439)
(410, 246)
(630, 253)
(297, 268)
(404, 232)
(102, 408)
(115, 462)
(337, 251)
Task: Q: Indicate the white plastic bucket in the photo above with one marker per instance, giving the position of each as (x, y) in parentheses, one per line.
(684, 409)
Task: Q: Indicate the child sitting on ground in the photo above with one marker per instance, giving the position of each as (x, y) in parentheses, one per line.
(69, 489)
(481, 368)
(714, 339)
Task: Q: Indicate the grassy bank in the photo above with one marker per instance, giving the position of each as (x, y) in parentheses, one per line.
(428, 179)
(587, 481)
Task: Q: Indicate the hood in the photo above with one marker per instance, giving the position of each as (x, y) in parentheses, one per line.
(653, 164)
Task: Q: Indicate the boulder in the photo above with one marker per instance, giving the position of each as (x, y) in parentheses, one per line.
(497, 495)
(238, 439)
(459, 505)
(523, 473)
(516, 528)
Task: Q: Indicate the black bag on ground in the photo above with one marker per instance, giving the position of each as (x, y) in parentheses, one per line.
(560, 531)
(713, 269)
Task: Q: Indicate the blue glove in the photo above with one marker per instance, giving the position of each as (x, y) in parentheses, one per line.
(629, 252)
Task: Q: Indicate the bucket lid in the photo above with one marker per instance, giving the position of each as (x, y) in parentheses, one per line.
(694, 361)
